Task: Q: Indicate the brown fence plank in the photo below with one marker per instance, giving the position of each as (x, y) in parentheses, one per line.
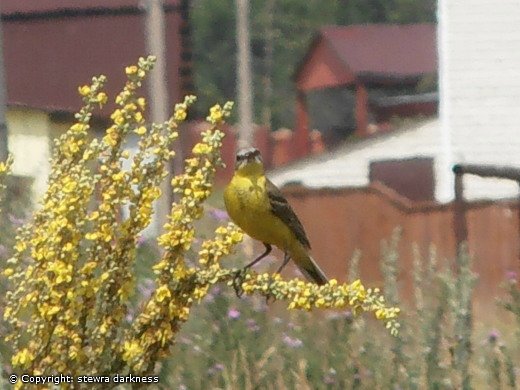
(339, 221)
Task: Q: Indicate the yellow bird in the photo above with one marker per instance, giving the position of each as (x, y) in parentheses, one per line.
(255, 204)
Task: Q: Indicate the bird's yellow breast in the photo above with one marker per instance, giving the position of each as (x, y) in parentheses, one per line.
(248, 205)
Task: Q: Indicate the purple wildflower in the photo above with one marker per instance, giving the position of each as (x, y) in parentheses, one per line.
(339, 315)
(219, 367)
(293, 326)
(140, 241)
(512, 276)
(219, 215)
(292, 342)
(146, 288)
(129, 317)
(15, 221)
(233, 313)
(260, 307)
(330, 377)
(252, 326)
(493, 336)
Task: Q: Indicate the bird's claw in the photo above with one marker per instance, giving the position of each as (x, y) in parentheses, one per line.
(238, 277)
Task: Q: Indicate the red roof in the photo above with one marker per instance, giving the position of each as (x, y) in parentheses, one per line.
(46, 6)
(51, 47)
(382, 49)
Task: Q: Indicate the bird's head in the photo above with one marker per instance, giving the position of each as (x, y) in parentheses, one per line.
(249, 162)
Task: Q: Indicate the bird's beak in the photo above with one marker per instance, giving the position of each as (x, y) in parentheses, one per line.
(254, 159)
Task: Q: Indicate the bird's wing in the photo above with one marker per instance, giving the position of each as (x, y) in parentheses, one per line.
(282, 209)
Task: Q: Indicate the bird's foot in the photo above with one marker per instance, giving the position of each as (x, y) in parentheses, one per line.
(238, 278)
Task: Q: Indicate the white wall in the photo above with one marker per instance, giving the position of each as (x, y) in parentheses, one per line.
(29, 143)
(480, 86)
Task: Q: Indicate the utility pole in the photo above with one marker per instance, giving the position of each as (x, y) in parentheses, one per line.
(155, 31)
(4, 150)
(245, 85)
(267, 114)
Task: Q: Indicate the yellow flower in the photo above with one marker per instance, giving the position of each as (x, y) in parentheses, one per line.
(69, 185)
(22, 358)
(141, 102)
(79, 127)
(84, 90)
(8, 272)
(131, 70)
(140, 130)
(216, 114)
(91, 236)
(180, 112)
(3, 167)
(131, 350)
(201, 148)
(101, 98)
(118, 176)
(162, 293)
(20, 246)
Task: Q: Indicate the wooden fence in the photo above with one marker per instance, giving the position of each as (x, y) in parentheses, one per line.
(339, 221)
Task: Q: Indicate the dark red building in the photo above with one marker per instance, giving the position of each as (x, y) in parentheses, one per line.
(52, 46)
(353, 79)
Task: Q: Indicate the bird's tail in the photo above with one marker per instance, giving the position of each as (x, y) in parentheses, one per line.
(308, 266)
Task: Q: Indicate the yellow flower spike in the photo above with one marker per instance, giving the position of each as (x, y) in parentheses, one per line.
(83, 255)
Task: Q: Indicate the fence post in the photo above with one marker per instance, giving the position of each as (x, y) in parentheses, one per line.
(518, 216)
(459, 216)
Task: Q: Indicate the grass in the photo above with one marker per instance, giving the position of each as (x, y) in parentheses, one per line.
(232, 343)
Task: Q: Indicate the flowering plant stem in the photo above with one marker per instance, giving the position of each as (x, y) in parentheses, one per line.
(72, 274)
